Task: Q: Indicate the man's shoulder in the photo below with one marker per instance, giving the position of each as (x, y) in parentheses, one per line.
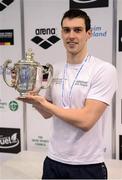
(102, 63)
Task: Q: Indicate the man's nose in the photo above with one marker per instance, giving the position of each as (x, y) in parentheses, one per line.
(71, 33)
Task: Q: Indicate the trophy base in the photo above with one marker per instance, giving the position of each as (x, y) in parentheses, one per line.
(23, 95)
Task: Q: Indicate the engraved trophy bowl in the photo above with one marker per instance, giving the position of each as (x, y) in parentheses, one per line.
(29, 75)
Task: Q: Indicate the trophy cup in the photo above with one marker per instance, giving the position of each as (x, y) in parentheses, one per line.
(30, 75)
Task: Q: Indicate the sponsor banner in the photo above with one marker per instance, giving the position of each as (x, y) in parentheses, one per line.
(6, 37)
(102, 41)
(120, 35)
(80, 4)
(42, 35)
(11, 110)
(38, 130)
(10, 141)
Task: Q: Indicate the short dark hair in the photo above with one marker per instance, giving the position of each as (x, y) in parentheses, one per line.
(77, 13)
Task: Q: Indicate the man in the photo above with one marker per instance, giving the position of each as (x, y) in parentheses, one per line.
(78, 100)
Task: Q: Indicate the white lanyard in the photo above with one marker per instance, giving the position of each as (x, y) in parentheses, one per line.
(73, 83)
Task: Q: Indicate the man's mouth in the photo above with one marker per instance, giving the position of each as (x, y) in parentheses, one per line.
(72, 43)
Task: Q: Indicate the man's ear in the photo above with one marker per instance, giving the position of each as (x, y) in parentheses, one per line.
(89, 33)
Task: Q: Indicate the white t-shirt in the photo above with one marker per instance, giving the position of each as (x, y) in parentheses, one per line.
(93, 79)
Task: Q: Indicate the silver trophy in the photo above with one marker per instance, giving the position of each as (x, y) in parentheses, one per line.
(30, 75)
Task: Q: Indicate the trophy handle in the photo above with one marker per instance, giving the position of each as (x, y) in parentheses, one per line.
(5, 67)
(48, 69)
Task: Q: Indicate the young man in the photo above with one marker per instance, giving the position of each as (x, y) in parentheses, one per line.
(78, 104)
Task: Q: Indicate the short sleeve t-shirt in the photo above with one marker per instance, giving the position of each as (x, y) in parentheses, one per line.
(96, 80)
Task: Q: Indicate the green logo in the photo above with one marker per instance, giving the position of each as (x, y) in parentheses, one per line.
(13, 105)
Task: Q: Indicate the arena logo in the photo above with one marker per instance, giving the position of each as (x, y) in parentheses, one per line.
(51, 40)
(4, 4)
(10, 140)
(80, 4)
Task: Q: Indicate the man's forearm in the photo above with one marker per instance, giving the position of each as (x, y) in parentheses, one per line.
(44, 113)
(83, 118)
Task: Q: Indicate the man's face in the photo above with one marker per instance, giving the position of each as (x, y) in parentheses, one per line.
(74, 35)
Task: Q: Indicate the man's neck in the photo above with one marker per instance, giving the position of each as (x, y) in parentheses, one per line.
(76, 58)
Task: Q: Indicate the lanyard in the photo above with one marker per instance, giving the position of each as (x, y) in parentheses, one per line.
(73, 83)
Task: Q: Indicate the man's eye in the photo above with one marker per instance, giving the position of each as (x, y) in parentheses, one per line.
(66, 30)
(77, 30)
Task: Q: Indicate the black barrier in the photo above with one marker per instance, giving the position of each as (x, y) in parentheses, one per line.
(120, 147)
